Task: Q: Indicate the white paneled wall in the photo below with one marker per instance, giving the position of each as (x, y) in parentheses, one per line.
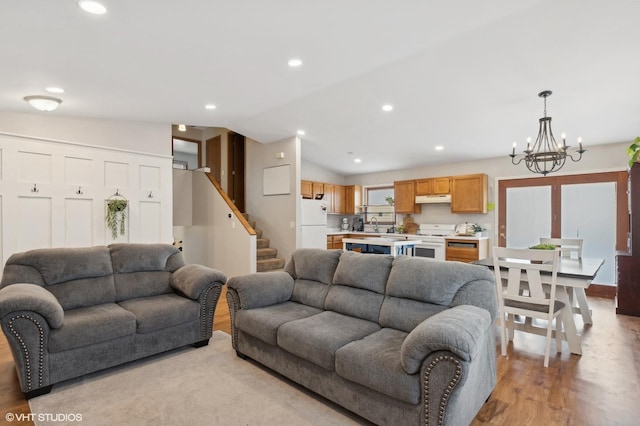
(54, 194)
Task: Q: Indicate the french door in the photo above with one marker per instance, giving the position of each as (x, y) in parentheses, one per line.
(592, 207)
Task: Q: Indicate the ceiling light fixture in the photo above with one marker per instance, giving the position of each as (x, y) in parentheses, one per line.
(294, 62)
(301, 132)
(546, 155)
(210, 106)
(92, 7)
(53, 89)
(439, 148)
(357, 160)
(182, 128)
(43, 103)
(387, 107)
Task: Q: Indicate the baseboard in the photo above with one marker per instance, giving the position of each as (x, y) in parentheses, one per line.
(599, 290)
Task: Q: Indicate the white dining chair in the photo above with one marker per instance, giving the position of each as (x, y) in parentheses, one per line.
(538, 301)
(568, 246)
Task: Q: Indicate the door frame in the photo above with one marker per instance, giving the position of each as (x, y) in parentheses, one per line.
(555, 182)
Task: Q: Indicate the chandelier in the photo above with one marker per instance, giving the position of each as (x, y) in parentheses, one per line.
(546, 155)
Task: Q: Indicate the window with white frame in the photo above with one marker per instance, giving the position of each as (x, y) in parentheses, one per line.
(379, 204)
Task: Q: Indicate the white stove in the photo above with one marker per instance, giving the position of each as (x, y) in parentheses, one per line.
(433, 236)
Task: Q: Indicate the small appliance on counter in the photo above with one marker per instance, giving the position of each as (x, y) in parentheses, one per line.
(358, 224)
(345, 224)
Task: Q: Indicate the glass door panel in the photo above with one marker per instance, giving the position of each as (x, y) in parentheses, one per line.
(589, 212)
(528, 215)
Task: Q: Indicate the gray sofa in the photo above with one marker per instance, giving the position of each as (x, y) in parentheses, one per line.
(398, 341)
(67, 312)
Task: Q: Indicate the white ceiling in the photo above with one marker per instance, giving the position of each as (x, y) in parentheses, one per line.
(464, 74)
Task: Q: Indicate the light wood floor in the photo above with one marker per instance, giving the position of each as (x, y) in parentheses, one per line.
(601, 387)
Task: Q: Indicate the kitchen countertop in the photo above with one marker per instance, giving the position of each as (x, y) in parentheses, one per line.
(396, 235)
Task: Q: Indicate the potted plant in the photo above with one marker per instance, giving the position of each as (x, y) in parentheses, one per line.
(389, 200)
(477, 229)
(116, 216)
(633, 151)
(542, 247)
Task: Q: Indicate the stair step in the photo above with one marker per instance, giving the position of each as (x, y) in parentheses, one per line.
(265, 265)
(262, 243)
(258, 233)
(266, 253)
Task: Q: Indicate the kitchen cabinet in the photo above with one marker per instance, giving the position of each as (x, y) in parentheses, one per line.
(306, 188)
(317, 188)
(338, 200)
(352, 199)
(433, 186)
(466, 250)
(329, 197)
(334, 242)
(405, 197)
(469, 193)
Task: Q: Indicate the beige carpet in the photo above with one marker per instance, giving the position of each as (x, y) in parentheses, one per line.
(204, 386)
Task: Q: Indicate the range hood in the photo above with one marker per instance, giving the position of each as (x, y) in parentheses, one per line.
(433, 199)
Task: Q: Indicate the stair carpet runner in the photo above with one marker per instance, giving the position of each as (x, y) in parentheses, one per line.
(267, 257)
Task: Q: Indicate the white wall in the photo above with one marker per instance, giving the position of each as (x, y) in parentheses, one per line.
(216, 238)
(152, 138)
(315, 172)
(274, 214)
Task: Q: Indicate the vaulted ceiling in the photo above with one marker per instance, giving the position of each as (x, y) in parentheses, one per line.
(461, 74)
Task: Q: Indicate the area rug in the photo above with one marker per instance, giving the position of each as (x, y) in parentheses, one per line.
(203, 386)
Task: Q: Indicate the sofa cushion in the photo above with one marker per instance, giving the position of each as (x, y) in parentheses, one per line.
(263, 323)
(163, 311)
(313, 265)
(374, 362)
(91, 324)
(355, 302)
(77, 277)
(365, 271)
(406, 314)
(142, 270)
(312, 293)
(317, 338)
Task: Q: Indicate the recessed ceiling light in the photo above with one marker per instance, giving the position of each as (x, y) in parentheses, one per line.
(43, 103)
(294, 62)
(92, 7)
(301, 132)
(210, 106)
(357, 160)
(387, 107)
(182, 128)
(439, 148)
(53, 89)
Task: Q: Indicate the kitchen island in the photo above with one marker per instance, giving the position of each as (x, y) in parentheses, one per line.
(380, 245)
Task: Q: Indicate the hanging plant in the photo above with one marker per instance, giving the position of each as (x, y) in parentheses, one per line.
(633, 151)
(116, 216)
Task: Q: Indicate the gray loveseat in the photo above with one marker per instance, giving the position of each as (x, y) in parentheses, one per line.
(67, 312)
(399, 341)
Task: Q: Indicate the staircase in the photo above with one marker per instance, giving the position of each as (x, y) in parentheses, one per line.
(267, 257)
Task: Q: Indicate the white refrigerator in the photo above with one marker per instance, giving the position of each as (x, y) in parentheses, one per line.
(313, 224)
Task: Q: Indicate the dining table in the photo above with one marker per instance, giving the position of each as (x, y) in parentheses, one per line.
(573, 278)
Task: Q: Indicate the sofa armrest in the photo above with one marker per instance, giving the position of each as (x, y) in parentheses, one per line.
(459, 330)
(191, 280)
(33, 298)
(263, 289)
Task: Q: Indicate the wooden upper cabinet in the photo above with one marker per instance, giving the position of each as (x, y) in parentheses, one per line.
(317, 188)
(469, 193)
(306, 188)
(405, 197)
(339, 200)
(330, 197)
(352, 198)
(441, 185)
(433, 186)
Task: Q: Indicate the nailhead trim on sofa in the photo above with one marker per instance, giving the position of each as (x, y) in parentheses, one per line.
(445, 397)
(25, 350)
